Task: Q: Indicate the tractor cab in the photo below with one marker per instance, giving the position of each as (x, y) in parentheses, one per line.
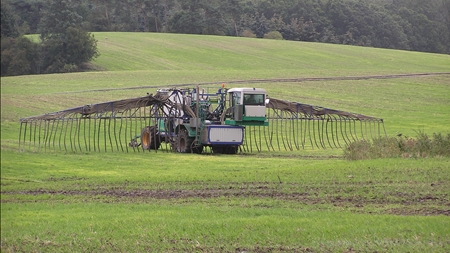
(248, 107)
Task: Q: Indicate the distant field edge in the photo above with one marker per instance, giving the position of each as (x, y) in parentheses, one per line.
(271, 80)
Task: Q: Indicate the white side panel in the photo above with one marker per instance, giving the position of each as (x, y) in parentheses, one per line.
(224, 135)
(255, 111)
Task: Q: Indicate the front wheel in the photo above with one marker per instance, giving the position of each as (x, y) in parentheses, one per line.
(183, 142)
(232, 150)
(217, 149)
(225, 149)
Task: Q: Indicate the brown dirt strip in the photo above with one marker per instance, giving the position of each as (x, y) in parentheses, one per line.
(276, 80)
(406, 203)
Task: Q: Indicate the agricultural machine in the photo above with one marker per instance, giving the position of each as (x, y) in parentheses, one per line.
(194, 120)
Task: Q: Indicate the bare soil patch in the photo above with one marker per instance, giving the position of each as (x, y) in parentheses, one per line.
(339, 196)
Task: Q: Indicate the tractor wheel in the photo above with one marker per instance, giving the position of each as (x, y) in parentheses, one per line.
(183, 142)
(217, 149)
(197, 150)
(232, 150)
(149, 138)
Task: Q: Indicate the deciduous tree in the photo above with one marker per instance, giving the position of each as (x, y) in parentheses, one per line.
(8, 21)
(64, 45)
(19, 56)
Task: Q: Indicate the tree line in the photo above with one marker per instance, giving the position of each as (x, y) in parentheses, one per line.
(397, 24)
(63, 44)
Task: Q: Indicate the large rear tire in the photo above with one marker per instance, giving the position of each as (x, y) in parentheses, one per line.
(149, 138)
(183, 142)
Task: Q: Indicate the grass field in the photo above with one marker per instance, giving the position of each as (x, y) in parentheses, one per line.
(308, 201)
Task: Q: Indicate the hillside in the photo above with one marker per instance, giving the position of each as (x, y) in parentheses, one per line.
(154, 59)
(157, 51)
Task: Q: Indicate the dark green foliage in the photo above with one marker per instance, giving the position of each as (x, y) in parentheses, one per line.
(64, 45)
(19, 56)
(298, 30)
(420, 147)
(65, 53)
(57, 17)
(81, 46)
(214, 22)
(424, 33)
(258, 23)
(28, 13)
(199, 17)
(187, 22)
(358, 23)
(8, 19)
(233, 11)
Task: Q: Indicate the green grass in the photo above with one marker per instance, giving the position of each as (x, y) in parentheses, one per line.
(80, 202)
(311, 200)
(141, 51)
(237, 225)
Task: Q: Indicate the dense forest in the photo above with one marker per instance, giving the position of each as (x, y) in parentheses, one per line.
(398, 24)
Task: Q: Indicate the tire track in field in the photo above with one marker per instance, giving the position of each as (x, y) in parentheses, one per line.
(403, 203)
(270, 80)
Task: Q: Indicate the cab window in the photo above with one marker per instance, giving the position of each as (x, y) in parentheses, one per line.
(253, 99)
(236, 98)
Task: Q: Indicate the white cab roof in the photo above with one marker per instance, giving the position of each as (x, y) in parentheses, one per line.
(248, 90)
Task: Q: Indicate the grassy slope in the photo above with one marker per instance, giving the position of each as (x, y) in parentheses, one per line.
(143, 59)
(213, 53)
(58, 222)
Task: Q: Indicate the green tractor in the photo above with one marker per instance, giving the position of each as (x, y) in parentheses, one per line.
(194, 119)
